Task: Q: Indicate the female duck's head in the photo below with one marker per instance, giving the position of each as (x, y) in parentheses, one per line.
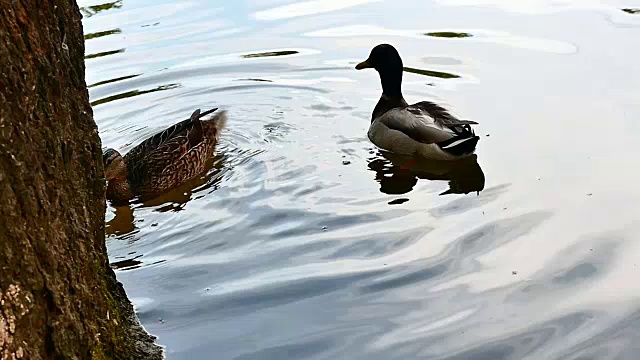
(387, 62)
(114, 165)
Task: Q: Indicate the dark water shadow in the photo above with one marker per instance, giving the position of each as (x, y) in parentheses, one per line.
(109, 81)
(271, 54)
(398, 174)
(90, 11)
(431, 73)
(102, 33)
(130, 263)
(104, 53)
(449, 34)
(133, 93)
(174, 200)
(127, 264)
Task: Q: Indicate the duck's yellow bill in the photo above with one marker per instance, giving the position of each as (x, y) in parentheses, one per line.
(364, 65)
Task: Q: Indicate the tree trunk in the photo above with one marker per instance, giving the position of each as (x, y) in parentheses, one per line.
(58, 296)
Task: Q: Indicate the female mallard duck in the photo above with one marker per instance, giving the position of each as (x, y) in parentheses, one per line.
(164, 160)
(424, 129)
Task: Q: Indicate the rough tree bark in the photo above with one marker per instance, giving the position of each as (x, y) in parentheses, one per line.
(58, 296)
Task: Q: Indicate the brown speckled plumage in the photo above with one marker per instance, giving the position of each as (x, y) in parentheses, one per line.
(165, 160)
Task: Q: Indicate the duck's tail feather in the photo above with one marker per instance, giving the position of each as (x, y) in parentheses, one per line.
(217, 123)
(459, 145)
(198, 115)
(219, 120)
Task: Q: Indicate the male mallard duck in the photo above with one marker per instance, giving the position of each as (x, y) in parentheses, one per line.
(424, 129)
(164, 160)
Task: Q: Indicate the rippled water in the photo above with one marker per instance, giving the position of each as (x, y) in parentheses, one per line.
(304, 242)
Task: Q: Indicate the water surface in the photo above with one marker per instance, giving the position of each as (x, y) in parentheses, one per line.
(303, 241)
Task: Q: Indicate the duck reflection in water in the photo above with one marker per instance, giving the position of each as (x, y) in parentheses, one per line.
(175, 200)
(398, 174)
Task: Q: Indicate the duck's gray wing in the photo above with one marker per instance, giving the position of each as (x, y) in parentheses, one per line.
(440, 115)
(418, 125)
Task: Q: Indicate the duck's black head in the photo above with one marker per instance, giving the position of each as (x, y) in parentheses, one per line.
(387, 62)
